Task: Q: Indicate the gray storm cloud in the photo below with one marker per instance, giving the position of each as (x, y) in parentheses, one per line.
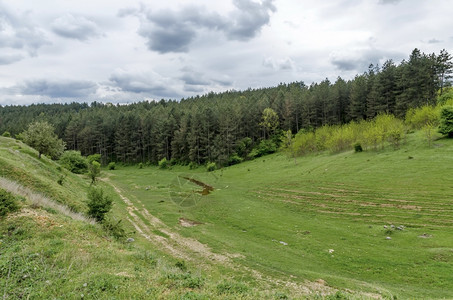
(173, 31)
(57, 89)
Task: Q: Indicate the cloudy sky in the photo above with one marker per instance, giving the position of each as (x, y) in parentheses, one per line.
(127, 51)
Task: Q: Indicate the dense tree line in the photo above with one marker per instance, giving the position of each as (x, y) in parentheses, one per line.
(218, 126)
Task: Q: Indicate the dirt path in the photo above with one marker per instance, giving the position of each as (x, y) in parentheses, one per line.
(174, 243)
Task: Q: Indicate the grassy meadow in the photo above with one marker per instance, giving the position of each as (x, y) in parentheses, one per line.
(368, 225)
(330, 218)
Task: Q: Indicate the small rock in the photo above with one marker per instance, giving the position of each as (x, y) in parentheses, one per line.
(85, 284)
(331, 251)
(400, 227)
(385, 226)
(283, 243)
(388, 238)
(130, 240)
(393, 226)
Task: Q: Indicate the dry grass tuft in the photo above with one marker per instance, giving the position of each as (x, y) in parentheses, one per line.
(38, 200)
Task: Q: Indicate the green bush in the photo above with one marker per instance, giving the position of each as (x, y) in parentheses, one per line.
(98, 204)
(211, 166)
(112, 165)
(74, 162)
(6, 134)
(94, 157)
(193, 165)
(234, 159)
(94, 170)
(263, 148)
(140, 165)
(358, 147)
(8, 203)
(163, 163)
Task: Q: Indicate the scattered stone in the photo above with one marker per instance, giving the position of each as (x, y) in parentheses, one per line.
(400, 227)
(388, 238)
(393, 226)
(85, 284)
(385, 226)
(331, 251)
(147, 188)
(283, 243)
(130, 240)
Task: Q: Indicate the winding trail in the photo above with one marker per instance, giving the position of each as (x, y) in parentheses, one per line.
(170, 241)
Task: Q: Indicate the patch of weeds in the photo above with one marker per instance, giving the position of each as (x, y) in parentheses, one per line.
(228, 287)
(104, 283)
(147, 258)
(181, 265)
(186, 280)
(114, 228)
(280, 295)
(8, 203)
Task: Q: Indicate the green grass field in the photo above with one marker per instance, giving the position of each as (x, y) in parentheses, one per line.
(322, 218)
(324, 228)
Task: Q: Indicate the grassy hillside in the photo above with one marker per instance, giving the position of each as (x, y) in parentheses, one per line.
(378, 222)
(48, 252)
(324, 228)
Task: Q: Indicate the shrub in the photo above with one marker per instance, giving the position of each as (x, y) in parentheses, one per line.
(74, 162)
(263, 148)
(193, 165)
(114, 228)
(98, 204)
(140, 165)
(358, 147)
(8, 203)
(61, 179)
(163, 163)
(234, 159)
(6, 134)
(94, 171)
(112, 165)
(94, 157)
(211, 166)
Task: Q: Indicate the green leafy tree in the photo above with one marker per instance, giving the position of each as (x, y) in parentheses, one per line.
(269, 122)
(446, 121)
(98, 204)
(94, 170)
(41, 136)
